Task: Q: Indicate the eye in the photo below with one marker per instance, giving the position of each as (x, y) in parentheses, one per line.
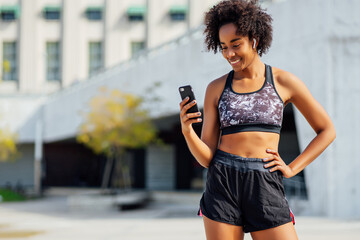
(223, 48)
(235, 46)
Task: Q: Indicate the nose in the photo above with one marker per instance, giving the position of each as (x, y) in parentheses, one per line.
(230, 53)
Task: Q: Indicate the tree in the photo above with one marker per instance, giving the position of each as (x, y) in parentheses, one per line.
(116, 121)
(8, 149)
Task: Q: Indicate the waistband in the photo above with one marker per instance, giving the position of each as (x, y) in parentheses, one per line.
(251, 127)
(240, 163)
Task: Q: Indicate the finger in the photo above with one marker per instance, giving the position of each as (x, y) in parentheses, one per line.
(193, 115)
(270, 164)
(187, 107)
(275, 168)
(272, 151)
(182, 103)
(186, 118)
(191, 121)
(270, 158)
(190, 104)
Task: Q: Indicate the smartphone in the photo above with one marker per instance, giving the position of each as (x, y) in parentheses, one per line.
(186, 91)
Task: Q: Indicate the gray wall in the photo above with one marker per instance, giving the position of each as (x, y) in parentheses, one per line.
(324, 51)
(160, 168)
(20, 171)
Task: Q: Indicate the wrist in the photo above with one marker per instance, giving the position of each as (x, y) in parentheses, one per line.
(187, 132)
(292, 171)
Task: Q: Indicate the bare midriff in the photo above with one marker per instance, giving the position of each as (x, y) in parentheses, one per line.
(250, 144)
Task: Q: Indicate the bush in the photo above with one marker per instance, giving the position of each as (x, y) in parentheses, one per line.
(8, 195)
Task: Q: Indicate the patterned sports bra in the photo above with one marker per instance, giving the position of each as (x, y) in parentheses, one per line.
(261, 110)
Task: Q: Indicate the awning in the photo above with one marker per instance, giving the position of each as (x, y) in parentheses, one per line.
(52, 9)
(136, 10)
(178, 9)
(11, 9)
(94, 9)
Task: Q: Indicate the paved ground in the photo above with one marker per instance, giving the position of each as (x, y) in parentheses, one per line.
(51, 219)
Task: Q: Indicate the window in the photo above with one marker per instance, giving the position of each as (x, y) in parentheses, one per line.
(136, 13)
(136, 47)
(9, 13)
(95, 57)
(52, 12)
(9, 65)
(52, 61)
(178, 13)
(94, 13)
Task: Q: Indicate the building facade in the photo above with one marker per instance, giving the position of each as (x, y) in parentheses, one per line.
(47, 45)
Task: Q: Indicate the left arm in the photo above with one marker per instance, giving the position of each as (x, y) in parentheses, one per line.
(317, 117)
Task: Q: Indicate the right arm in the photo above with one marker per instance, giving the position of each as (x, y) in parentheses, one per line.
(202, 149)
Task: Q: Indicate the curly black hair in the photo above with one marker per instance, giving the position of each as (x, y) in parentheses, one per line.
(248, 16)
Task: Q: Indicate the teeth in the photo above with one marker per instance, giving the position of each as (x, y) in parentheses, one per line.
(235, 61)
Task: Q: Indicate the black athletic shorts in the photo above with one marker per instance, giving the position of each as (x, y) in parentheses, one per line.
(240, 191)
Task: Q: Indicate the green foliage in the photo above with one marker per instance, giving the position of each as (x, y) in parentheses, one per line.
(116, 120)
(8, 195)
(8, 149)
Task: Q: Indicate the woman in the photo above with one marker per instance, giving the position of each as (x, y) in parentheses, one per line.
(242, 119)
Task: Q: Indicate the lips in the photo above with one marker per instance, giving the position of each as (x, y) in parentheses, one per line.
(233, 62)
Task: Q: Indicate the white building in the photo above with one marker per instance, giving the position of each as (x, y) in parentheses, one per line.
(47, 45)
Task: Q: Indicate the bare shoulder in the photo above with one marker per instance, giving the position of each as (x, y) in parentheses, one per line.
(290, 84)
(215, 87)
(285, 78)
(218, 82)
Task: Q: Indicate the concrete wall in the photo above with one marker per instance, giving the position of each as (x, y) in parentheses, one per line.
(20, 171)
(323, 50)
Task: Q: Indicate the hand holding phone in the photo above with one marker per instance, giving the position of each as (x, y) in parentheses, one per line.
(186, 91)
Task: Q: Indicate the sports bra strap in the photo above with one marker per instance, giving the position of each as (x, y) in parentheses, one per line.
(269, 75)
(229, 79)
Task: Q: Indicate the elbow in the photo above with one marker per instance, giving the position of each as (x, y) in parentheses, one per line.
(205, 165)
(331, 133)
(334, 134)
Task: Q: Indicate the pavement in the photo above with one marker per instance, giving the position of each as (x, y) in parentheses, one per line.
(171, 216)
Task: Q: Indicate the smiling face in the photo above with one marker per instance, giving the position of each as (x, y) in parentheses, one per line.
(236, 49)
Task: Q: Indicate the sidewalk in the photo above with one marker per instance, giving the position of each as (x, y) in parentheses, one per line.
(50, 219)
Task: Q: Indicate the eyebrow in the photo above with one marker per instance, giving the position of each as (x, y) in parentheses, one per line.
(235, 39)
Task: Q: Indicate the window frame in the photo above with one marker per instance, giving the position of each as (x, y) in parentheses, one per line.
(13, 62)
(99, 64)
(52, 10)
(90, 12)
(5, 10)
(136, 13)
(50, 64)
(176, 11)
